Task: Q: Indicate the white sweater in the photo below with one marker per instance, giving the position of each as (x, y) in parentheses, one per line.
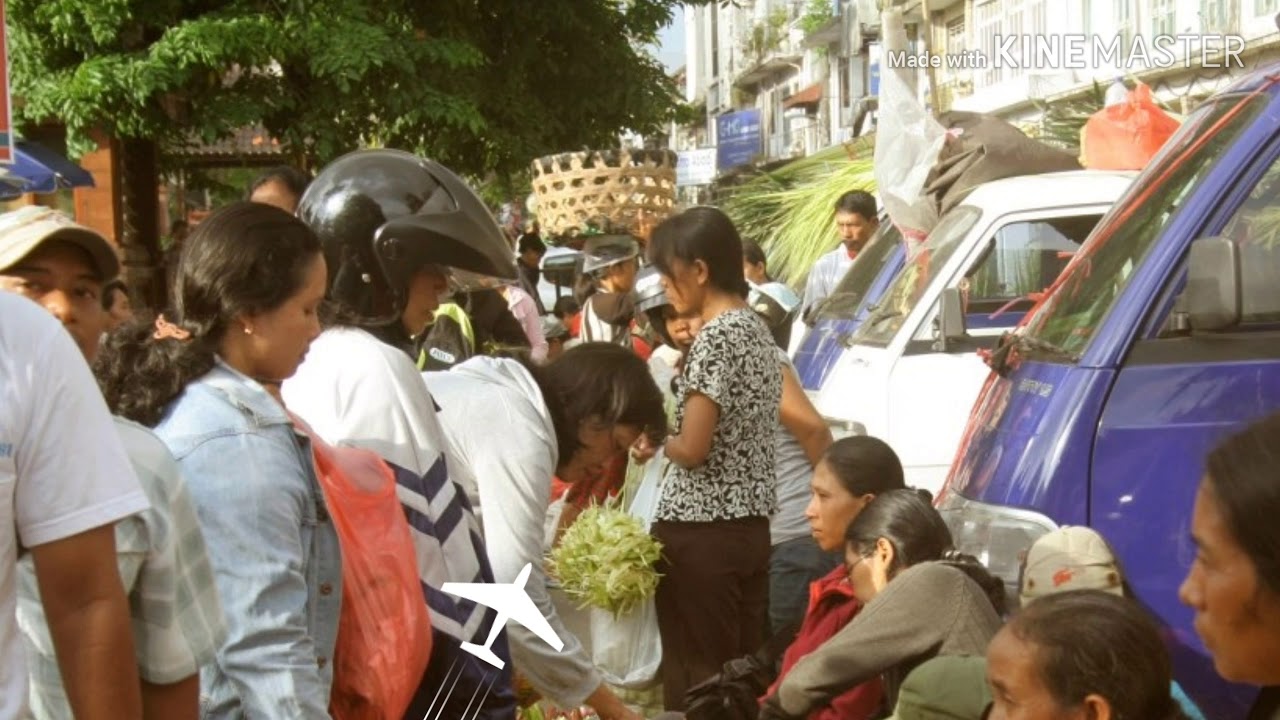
(501, 434)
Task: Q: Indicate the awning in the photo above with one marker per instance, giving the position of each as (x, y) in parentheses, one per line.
(811, 95)
(66, 173)
(37, 169)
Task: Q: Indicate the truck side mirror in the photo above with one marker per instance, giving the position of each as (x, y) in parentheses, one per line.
(1212, 297)
(949, 327)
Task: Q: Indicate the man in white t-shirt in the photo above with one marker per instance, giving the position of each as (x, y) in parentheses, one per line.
(856, 223)
(177, 618)
(64, 482)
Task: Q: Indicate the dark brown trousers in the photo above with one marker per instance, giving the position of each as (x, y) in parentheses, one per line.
(713, 599)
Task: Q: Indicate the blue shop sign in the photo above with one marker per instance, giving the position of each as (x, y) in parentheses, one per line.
(737, 138)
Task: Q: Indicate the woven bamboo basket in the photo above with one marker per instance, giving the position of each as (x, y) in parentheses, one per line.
(631, 189)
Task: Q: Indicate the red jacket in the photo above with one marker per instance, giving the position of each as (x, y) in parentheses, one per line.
(831, 607)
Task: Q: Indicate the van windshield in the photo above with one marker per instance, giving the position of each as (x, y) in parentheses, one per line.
(908, 287)
(848, 297)
(1089, 287)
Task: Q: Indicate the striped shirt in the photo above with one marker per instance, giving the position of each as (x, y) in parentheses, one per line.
(173, 600)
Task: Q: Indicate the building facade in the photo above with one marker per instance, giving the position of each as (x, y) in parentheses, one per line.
(801, 63)
(811, 67)
(1185, 50)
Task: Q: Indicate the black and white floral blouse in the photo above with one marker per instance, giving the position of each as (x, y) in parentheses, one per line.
(733, 362)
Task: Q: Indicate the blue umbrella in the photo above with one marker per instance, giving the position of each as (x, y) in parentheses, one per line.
(38, 169)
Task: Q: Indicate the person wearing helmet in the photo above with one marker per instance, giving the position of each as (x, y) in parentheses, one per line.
(392, 226)
(652, 305)
(609, 267)
(556, 334)
(774, 301)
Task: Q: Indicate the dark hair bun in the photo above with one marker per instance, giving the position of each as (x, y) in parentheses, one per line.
(923, 494)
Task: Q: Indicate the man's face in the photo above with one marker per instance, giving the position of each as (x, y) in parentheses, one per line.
(531, 258)
(855, 231)
(274, 192)
(426, 290)
(60, 276)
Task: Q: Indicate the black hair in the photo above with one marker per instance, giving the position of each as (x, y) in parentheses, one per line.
(530, 241)
(701, 233)
(754, 254)
(865, 465)
(1091, 642)
(917, 532)
(109, 291)
(908, 520)
(244, 258)
(290, 177)
(1240, 473)
(564, 307)
(859, 202)
(599, 381)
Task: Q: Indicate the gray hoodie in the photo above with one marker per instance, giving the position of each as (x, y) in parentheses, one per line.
(503, 452)
(929, 609)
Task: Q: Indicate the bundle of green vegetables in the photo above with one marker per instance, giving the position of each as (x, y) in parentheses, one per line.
(605, 559)
(789, 211)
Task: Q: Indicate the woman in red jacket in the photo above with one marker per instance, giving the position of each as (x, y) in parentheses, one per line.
(852, 472)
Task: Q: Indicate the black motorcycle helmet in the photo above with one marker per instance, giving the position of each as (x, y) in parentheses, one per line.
(650, 298)
(774, 313)
(382, 215)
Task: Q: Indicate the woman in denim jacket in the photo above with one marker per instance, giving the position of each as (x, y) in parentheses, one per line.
(250, 281)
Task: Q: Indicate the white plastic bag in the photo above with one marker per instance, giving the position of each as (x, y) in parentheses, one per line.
(644, 503)
(908, 140)
(627, 649)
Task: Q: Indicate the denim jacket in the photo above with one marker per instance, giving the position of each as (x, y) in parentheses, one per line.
(272, 545)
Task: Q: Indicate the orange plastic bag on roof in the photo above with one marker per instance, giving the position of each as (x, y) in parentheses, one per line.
(1126, 136)
(384, 630)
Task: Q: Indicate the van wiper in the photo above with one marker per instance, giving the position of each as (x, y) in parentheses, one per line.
(880, 314)
(1036, 345)
(999, 358)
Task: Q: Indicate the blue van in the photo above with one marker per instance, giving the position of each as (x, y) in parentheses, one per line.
(1160, 337)
(837, 316)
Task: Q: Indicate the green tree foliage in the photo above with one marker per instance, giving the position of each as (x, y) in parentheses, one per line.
(482, 85)
(816, 15)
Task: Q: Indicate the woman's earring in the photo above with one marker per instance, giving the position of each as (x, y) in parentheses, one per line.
(248, 330)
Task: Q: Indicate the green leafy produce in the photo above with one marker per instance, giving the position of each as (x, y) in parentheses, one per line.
(605, 560)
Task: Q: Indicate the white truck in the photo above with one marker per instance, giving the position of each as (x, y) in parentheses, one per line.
(911, 372)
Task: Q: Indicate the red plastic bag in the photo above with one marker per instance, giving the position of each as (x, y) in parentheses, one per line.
(384, 632)
(1126, 136)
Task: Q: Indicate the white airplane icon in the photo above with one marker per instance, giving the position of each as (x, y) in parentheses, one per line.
(511, 601)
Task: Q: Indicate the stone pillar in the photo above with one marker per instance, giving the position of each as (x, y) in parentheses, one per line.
(139, 221)
(123, 206)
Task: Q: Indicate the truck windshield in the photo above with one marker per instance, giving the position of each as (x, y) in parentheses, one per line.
(908, 287)
(848, 296)
(1090, 285)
